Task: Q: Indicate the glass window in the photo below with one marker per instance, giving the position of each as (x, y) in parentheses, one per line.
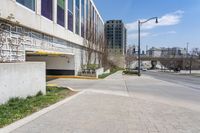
(77, 3)
(70, 5)
(70, 15)
(82, 17)
(61, 12)
(87, 18)
(28, 3)
(77, 16)
(47, 9)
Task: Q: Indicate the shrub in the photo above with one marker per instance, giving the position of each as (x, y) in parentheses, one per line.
(39, 94)
(15, 99)
(104, 75)
(115, 69)
(90, 66)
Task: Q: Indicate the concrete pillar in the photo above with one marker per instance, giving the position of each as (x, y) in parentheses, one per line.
(66, 14)
(55, 11)
(38, 7)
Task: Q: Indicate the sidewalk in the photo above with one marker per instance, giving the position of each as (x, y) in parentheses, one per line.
(107, 107)
(102, 113)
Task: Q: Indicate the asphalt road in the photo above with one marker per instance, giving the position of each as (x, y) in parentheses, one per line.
(186, 80)
(155, 86)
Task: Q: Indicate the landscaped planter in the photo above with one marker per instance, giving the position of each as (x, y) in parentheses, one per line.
(92, 72)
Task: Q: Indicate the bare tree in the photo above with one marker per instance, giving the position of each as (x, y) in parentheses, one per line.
(129, 59)
(89, 45)
(102, 51)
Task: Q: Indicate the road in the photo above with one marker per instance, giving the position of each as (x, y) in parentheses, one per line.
(186, 80)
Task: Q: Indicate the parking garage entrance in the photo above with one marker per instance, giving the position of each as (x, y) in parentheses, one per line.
(57, 63)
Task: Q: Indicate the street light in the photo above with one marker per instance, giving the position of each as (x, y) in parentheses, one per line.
(139, 50)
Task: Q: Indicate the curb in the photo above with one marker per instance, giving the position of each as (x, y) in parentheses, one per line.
(56, 85)
(35, 115)
(73, 77)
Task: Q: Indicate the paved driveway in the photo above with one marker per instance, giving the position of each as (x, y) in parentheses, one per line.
(122, 104)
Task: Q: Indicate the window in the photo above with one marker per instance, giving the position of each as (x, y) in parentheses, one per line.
(61, 12)
(82, 18)
(87, 18)
(70, 15)
(47, 9)
(77, 16)
(28, 3)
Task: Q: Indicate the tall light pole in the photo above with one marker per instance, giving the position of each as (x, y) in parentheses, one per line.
(139, 50)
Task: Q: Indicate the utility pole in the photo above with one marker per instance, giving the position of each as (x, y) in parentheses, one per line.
(187, 49)
(187, 54)
(191, 58)
(139, 50)
(139, 59)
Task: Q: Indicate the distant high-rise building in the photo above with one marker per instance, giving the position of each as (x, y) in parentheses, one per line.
(116, 35)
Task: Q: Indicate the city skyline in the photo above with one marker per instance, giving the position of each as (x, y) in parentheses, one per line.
(178, 24)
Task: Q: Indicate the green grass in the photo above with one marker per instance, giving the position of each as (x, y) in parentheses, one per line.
(112, 71)
(18, 108)
(130, 72)
(104, 75)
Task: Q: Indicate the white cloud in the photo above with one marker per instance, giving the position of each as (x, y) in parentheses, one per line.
(134, 36)
(165, 33)
(169, 19)
(166, 20)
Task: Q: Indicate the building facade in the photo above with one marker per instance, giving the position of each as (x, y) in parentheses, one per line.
(116, 37)
(132, 50)
(53, 31)
(167, 52)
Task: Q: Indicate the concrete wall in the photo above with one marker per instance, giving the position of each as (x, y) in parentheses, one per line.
(99, 71)
(21, 80)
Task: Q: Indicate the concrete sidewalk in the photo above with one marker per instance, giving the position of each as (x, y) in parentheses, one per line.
(105, 113)
(112, 106)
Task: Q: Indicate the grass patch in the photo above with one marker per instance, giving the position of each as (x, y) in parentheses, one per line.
(130, 72)
(104, 75)
(18, 108)
(112, 71)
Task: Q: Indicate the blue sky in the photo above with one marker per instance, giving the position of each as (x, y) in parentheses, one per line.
(179, 20)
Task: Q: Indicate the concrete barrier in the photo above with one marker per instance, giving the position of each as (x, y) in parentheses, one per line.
(21, 80)
(107, 71)
(99, 71)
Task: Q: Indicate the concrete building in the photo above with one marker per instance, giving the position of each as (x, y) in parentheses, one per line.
(174, 52)
(116, 36)
(51, 31)
(154, 52)
(167, 52)
(132, 50)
